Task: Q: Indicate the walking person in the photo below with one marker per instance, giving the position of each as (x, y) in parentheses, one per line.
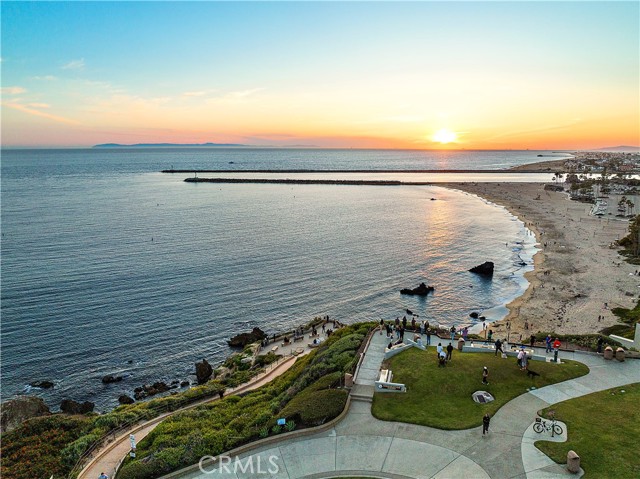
(103, 476)
(381, 326)
(499, 347)
(600, 343)
(428, 337)
(453, 333)
(485, 376)
(548, 341)
(486, 419)
(449, 352)
(532, 340)
(439, 349)
(556, 348)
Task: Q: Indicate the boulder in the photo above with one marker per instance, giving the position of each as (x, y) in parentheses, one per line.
(485, 269)
(474, 315)
(16, 411)
(421, 290)
(242, 339)
(42, 384)
(184, 384)
(108, 379)
(124, 399)
(203, 371)
(69, 406)
(150, 390)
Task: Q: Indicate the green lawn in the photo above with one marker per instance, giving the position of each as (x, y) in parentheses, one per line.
(604, 430)
(441, 397)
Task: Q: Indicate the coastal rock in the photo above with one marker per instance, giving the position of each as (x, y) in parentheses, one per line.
(124, 399)
(242, 339)
(16, 411)
(108, 379)
(485, 269)
(184, 384)
(42, 384)
(474, 315)
(421, 290)
(69, 406)
(203, 371)
(150, 390)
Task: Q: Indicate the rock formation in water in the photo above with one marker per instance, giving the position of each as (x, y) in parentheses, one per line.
(69, 406)
(421, 290)
(485, 269)
(203, 371)
(124, 399)
(109, 378)
(242, 339)
(16, 411)
(42, 384)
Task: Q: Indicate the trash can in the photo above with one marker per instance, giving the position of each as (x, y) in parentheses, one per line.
(460, 344)
(608, 352)
(620, 354)
(573, 462)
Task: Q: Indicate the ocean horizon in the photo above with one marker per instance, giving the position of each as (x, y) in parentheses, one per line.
(110, 267)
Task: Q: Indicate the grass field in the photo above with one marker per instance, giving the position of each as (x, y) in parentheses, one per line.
(441, 397)
(603, 429)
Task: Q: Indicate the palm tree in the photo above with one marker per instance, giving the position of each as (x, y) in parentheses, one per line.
(631, 205)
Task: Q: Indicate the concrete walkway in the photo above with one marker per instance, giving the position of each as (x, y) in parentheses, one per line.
(361, 445)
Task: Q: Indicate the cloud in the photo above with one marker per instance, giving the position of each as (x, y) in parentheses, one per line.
(38, 105)
(13, 90)
(74, 65)
(194, 93)
(543, 129)
(44, 78)
(28, 109)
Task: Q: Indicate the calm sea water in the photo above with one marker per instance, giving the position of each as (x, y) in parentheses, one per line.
(109, 267)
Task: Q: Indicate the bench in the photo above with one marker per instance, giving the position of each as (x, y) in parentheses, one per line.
(274, 349)
(384, 384)
(386, 376)
(298, 338)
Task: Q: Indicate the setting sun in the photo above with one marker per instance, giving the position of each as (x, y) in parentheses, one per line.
(444, 136)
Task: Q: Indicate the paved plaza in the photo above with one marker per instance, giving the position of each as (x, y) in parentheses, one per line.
(361, 445)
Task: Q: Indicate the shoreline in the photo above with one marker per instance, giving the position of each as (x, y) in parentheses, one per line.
(568, 287)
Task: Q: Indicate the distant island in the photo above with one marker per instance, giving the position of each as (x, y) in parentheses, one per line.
(168, 145)
(620, 149)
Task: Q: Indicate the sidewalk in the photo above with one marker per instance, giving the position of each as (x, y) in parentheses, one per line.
(361, 444)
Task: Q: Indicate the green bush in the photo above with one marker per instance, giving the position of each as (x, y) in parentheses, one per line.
(316, 407)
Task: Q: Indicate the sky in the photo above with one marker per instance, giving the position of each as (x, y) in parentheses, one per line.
(475, 75)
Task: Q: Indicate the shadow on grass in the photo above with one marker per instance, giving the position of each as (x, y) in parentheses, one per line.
(441, 397)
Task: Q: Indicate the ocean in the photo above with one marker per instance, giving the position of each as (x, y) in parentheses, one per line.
(111, 267)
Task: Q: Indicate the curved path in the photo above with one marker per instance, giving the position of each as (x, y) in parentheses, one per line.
(361, 445)
(109, 458)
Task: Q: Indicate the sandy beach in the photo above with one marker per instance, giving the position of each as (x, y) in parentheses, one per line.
(576, 271)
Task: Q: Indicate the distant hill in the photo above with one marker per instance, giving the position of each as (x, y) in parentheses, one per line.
(621, 148)
(165, 145)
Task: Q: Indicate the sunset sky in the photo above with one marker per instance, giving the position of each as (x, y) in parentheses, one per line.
(494, 75)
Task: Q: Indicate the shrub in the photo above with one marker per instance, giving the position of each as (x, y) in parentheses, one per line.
(316, 407)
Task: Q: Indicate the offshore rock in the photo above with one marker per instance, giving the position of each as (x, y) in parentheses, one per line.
(485, 269)
(124, 399)
(203, 371)
(42, 384)
(16, 411)
(421, 290)
(474, 315)
(69, 406)
(108, 379)
(242, 339)
(146, 390)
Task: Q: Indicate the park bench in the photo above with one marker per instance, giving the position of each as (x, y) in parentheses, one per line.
(385, 384)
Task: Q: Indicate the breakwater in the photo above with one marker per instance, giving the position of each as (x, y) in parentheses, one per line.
(289, 181)
(493, 171)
